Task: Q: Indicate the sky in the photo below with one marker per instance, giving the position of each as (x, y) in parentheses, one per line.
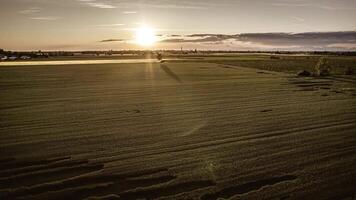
(202, 24)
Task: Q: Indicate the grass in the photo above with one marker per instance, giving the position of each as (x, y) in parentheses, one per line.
(174, 131)
(339, 65)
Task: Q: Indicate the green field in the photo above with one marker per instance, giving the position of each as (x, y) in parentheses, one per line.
(284, 63)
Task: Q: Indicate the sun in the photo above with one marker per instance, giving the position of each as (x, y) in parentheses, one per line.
(145, 36)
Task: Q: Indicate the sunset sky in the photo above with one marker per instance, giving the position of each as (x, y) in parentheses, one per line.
(202, 24)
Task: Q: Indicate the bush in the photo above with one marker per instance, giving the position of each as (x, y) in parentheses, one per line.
(322, 68)
(349, 71)
(303, 73)
(275, 57)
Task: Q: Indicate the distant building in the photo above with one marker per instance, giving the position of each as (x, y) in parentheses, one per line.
(13, 58)
(41, 54)
(25, 57)
(3, 57)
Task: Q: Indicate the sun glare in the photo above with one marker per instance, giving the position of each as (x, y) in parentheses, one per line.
(145, 36)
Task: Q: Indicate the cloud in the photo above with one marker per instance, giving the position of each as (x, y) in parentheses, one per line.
(298, 19)
(109, 25)
(113, 40)
(101, 5)
(49, 18)
(318, 5)
(129, 12)
(34, 12)
(160, 4)
(186, 4)
(171, 6)
(164, 4)
(309, 40)
(305, 39)
(347, 46)
(97, 4)
(200, 38)
(30, 10)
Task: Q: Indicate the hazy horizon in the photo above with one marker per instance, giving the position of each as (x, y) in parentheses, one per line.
(207, 25)
(233, 120)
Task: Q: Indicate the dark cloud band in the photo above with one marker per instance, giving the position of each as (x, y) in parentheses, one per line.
(310, 39)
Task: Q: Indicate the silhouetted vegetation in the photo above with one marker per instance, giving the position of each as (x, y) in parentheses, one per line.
(349, 71)
(275, 57)
(303, 73)
(322, 68)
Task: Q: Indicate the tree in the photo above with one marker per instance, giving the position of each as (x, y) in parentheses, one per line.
(159, 57)
(322, 68)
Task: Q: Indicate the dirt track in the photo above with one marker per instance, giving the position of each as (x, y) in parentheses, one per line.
(174, 131)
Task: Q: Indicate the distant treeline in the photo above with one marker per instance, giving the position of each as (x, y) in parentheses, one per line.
(36, 54)
(140, 52)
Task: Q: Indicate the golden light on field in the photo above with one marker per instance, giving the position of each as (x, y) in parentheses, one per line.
(145, 36)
